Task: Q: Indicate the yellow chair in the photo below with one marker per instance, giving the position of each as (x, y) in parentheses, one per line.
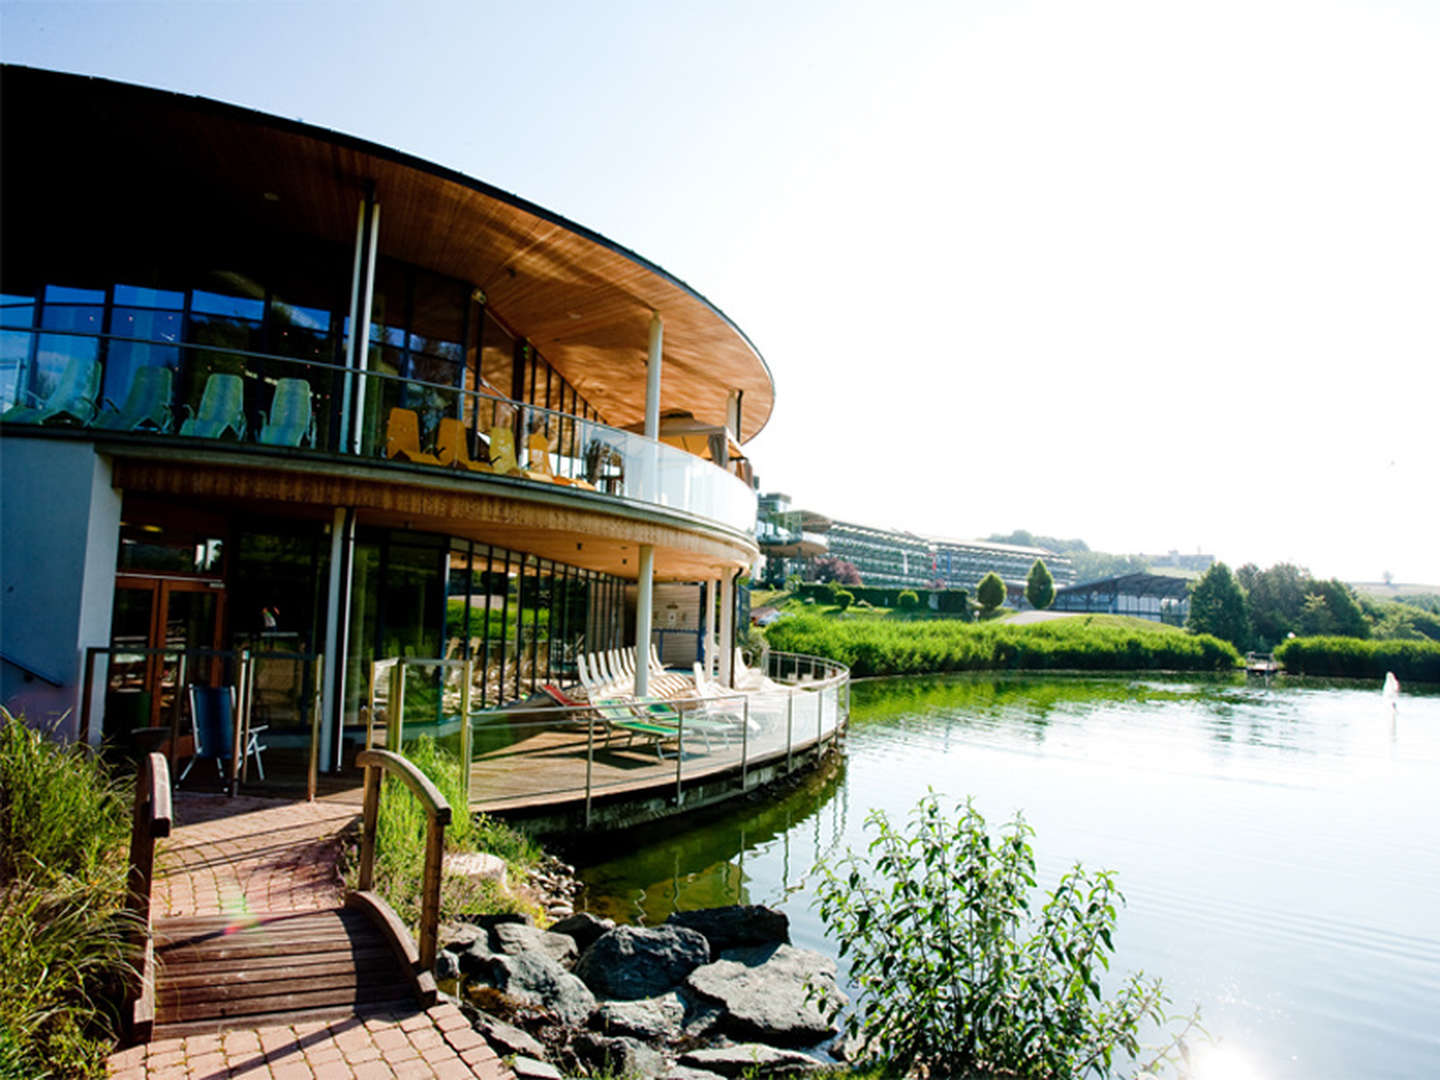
(451, 447)
(538, 447)
(502, 452)
(402, 437)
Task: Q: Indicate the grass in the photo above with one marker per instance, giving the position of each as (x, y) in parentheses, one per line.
(63, 934)
(1084, 643)
(400, 846)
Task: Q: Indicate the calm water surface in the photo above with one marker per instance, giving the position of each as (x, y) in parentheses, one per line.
(1279, 846)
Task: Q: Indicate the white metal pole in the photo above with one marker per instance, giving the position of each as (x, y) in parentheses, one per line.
(350, 340)
(362, 352)
(727, 631)
(337, 615)
(644, 603)
(712, 593)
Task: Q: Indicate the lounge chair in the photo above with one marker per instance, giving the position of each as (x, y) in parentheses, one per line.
(147, 403)
(402, 437)
(538, 458)
(222, 409)
(451, 446)
(73, 396)
(212, 718)
(291, 421)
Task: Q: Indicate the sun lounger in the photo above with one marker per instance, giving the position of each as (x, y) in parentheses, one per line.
(73, 396)
(147, 403)
(291, 421)
(222, 409)
(402, 437)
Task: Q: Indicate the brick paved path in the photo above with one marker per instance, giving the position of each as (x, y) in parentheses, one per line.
(245, 854)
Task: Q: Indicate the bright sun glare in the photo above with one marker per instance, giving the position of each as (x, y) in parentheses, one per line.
(1223, 1062)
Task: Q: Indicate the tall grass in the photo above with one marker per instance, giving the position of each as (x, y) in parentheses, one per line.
(1358, 658)
(400, 843)
(915, 648)
(63, 935)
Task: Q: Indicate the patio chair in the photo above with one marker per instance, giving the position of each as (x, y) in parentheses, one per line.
(538, 465)
(73, 396)
(291, 421)
(147, 403)
(212, 718)
(402, 437)
(452, 446)
(222, 409)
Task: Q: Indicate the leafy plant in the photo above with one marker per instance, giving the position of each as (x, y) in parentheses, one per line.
(908, 600)
(844, 598)
(958, 976)
(63, 934)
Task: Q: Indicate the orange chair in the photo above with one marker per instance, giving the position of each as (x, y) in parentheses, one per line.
(452, 449)
(402, 437)
(502, 452)
(538, 447)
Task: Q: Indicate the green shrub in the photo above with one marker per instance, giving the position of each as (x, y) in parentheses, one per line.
(958, 976)
(990, 592)
(1358, 658)
(882, 647)
(63, 934)
(907, 600)
(844, 598)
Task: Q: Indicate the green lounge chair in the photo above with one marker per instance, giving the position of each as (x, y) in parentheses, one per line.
(73, 396)
(222, 409)
(291, 421)
(147, 403)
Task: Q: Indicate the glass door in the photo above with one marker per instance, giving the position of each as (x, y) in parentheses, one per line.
(160, 613)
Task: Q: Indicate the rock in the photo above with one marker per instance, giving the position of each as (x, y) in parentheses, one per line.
(529, 1068)
(477, 865)
(476, 958)
(631, 962)
(560, 911)
(513, 938)
(532, 978)
(460, 936)
(736, 926)
(668, 1018)
(749, 1059)
(583, 927)
(506, 1038)
(620, 1056)
(447, 965)
(763, 991)
(685, 1072)
(489, 922)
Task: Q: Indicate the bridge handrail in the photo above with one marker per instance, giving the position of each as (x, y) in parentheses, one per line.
(152, 820)
(437, 817)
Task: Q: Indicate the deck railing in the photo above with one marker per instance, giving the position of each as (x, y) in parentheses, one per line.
(266, 401)
(152, 820)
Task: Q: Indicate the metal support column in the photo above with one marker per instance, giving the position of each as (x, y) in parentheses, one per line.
(337, 632)
(727, 631)
(644, 605)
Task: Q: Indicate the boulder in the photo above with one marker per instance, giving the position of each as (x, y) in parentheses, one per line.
(529, 1068)
(513, 938)
(532, 978)
(685, 1072)
(583, 927)
(668, 1018)
(476, 958)
(447, 965)
(764, 993)
(620, 1056)
(750, 1059)
(632, 962)
(476, 865)
(736, 926)
(507, 1039)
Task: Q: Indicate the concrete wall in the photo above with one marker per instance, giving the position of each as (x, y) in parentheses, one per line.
(59, 540)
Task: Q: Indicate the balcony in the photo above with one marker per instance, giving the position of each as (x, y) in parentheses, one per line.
(148, 391)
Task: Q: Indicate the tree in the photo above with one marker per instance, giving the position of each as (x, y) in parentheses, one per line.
(1217, 606)
(834, 568)
(1274, 599)
(960, 976)
(990, 592)
(1040, 586)
(1345, 616)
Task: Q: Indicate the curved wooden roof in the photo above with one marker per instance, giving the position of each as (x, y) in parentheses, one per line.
(584, 301)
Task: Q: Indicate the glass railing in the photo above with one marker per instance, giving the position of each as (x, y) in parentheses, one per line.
(607, 745)
(117, 384)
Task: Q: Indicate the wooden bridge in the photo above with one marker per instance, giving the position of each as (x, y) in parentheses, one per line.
(203, 973)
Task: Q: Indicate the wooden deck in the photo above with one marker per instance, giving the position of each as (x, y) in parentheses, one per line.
(219, 971)
(547, 767)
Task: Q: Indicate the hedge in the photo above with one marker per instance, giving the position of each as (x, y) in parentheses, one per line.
(1358, 658)
(949, 601)
(872, 647)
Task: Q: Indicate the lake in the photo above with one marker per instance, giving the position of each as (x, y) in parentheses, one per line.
(1278, 844)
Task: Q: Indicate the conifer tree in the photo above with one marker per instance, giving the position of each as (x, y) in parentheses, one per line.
(1040, 586)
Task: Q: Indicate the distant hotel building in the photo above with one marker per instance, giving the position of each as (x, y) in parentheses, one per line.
(890, 557)
(960, 564)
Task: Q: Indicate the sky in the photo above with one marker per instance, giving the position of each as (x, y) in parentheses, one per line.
(1155, 275)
